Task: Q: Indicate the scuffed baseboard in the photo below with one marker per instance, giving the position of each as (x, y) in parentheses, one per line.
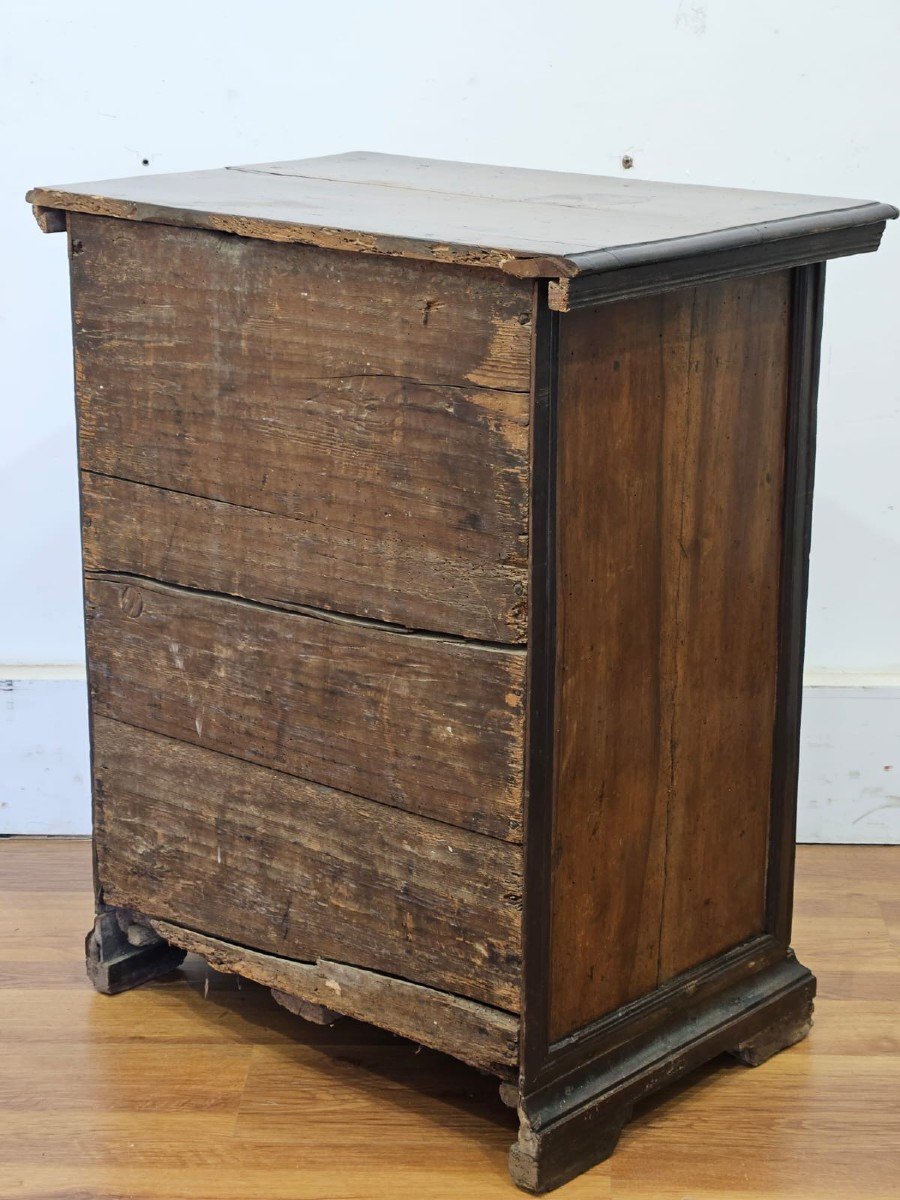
(45, 778)
(849, 762)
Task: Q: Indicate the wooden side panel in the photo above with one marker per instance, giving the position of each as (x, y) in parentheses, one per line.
(363, 422)
(727, 483)
(300, 870)
(672, 416)
(421, 723)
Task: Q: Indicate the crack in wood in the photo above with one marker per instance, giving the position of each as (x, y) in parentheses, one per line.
(316, 614)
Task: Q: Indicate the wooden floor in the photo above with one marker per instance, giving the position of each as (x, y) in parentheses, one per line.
(203, 1087)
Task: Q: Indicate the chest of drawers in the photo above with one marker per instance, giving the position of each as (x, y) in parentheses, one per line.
(445, 533)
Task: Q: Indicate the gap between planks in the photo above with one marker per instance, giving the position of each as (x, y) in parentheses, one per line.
(484, 1036)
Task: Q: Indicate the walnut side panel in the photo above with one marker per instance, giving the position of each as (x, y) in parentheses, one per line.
(725, 568)
(367, 418)
(424, 724)
(300, 870)
(671, 443)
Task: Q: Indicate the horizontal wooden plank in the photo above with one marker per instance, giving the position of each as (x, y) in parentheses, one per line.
(280, 560)
(536, 223)
(480, 1035)
(425, 724)
(294, 313)
(301, 870)
(333, 398)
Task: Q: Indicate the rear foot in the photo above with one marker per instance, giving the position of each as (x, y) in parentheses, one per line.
(122, 954)
(788, 1029)
(541, 1161)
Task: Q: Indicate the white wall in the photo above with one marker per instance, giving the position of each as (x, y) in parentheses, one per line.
(792, 96)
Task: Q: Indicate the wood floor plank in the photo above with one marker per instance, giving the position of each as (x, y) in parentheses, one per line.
(144, 1078)
(201, 1088)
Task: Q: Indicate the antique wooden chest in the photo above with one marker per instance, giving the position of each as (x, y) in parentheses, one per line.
(445, 540)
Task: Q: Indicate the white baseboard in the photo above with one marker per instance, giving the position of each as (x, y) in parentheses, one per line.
(45, 774)
(849, 760)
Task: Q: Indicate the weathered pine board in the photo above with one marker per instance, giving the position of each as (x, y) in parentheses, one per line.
(422, 723)
(193, 542)
(330, 401)
(671, 431)
(298, 311)
(478, 1034)
(301, 870)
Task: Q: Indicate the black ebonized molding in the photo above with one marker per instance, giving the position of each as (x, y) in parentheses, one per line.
(568, 1127)
(538, 822)
(807, 299)
(617, 280)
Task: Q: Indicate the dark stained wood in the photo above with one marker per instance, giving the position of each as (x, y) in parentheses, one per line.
(727, 479)
(807, 308)
(534, 223)
(619, 281)
(671, 442)
(50, 220)
(318, 411)
(439, 529)
(541, 696)
(728, 472)
(424, 724)
(117, 960)
(478, 1034)
(303, 871)
(610, 740)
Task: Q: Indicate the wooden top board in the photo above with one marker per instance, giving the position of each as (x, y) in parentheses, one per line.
(529, 223)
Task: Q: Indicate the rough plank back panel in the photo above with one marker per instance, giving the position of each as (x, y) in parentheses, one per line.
(303, 871)
(364, 422)
(671, 431)
(423, 723)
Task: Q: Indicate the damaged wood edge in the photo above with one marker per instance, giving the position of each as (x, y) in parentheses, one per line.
(511, 262)
(50, 220)
(482, 1036)
(316, 1014)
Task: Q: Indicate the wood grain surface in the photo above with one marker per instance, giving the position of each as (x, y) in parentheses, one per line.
(201, 1086)
(425, 724)
(311, 427)
(531, 223)
(292, 868)
(671, 431)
